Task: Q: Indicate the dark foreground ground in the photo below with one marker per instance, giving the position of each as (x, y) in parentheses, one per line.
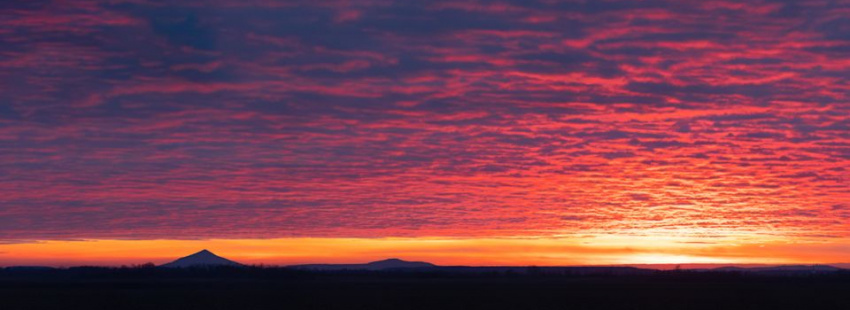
(286, 289)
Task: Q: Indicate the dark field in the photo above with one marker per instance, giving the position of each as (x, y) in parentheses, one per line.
(287, 289)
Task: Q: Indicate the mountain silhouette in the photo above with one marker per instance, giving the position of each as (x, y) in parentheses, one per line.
(397, 263)
(387, 264)
(783, 269)
(203, 258)
(841, 265)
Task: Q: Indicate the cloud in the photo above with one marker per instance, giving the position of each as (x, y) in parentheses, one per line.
(385, 118)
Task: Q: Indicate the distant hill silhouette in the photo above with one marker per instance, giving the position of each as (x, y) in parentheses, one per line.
(395, 264)
(387, 264)
(784, 269)
(29, 268)
(842, 265)
(203, 258)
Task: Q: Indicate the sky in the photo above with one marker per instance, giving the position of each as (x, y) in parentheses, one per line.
(459, 132)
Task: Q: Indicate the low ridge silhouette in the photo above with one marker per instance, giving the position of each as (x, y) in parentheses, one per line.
(387, 264)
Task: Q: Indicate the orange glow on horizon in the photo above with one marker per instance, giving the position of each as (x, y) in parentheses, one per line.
(602, 250)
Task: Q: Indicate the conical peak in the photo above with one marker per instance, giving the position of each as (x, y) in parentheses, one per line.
(202, 253)
(202, 258)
